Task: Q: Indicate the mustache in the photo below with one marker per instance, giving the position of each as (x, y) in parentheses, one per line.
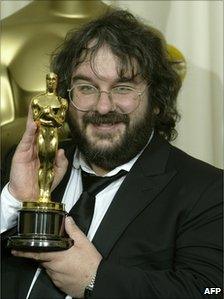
(111, 118)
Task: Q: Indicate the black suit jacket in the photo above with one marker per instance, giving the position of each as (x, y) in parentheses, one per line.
(161, 236)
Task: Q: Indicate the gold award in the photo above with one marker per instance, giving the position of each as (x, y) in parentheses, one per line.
(41, 223)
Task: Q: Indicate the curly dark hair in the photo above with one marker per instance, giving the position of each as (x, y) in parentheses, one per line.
(130, 40)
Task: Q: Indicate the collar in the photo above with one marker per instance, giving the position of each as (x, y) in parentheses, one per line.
(79, 161)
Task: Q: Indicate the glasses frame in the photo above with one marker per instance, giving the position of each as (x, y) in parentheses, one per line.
(139, 94)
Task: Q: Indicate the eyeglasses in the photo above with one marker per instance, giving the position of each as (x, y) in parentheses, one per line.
(124, 99)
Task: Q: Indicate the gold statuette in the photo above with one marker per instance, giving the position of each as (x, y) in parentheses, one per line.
(41, 223)
(49, 111)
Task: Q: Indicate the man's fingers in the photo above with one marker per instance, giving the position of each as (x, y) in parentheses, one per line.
(29, 134)
(28, 137)
(61, 164)
(40, 257)
(60, 160)
(74, 231)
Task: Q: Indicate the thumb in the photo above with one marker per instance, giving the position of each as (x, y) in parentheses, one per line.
(61, 161)
(74, 231)
(29, 135)
(60, 167)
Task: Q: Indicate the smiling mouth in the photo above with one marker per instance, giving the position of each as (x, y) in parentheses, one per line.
(108, 127)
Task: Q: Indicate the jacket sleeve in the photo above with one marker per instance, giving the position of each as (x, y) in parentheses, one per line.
(197, 263)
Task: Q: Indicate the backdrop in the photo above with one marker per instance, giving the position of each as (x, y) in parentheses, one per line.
(196, 29)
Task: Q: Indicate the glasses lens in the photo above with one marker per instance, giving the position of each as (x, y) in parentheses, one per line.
(125, 98)
(84, 96)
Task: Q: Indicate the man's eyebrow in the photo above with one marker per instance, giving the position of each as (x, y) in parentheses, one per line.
(132, 79)
(81, 77)
(123, 79)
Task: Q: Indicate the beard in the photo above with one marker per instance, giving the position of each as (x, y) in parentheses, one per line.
(134, 138)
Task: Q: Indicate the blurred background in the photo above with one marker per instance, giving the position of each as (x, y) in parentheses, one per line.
(193, 27)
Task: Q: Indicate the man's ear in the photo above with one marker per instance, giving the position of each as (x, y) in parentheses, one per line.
(156, 110)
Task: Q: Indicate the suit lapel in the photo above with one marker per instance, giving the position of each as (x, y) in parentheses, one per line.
(147, 178)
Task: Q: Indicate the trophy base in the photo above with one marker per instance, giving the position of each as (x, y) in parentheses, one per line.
(38, 243)
(41, 228)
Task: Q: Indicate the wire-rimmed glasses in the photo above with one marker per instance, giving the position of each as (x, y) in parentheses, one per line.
(124, 99)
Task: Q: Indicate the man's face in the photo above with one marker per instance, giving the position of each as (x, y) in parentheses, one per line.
(103, 132)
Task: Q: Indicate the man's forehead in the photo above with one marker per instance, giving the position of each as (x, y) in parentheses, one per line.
(103, 61)
(107, 70)
(79, 76)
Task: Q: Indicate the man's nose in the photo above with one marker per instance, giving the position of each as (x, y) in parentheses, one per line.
(104, 104)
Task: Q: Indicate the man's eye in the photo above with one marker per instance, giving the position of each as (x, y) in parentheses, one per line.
(86, 89)
(122, 89)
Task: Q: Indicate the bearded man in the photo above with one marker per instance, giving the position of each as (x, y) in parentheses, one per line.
(154, 229)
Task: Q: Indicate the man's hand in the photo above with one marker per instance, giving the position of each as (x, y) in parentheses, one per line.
(23, 183)
(70, 270)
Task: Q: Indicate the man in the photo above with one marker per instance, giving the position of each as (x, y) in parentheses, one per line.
(155, 230)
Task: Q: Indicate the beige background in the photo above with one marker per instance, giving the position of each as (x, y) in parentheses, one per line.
(196, 28)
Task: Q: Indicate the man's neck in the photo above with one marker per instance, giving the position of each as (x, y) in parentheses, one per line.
(99, 171)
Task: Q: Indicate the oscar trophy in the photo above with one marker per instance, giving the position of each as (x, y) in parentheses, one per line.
(41, 222)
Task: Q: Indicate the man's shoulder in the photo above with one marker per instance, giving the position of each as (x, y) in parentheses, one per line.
(189, 165)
